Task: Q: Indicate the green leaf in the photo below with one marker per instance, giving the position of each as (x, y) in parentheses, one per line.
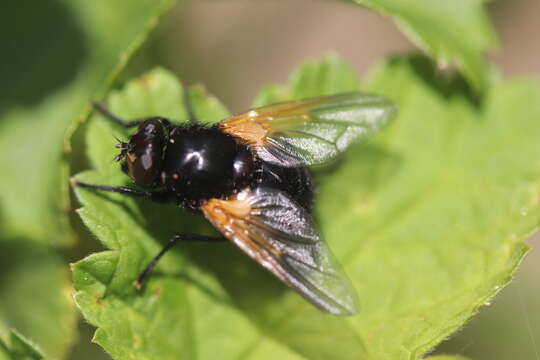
(454, 32)
(177, 313)
(428, 220)
(36, 294)
(447, 357)
(70, 53)
(17, 347)
(314, 78)
(112, 31)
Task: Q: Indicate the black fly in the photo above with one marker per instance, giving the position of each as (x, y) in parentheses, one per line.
(248, 176)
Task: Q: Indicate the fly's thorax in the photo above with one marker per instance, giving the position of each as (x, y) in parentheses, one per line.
(203, 162)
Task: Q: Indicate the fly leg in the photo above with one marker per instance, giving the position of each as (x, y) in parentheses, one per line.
(192, 118)
(124, 123)
(173, 241)
(109, 115)
(155, 196)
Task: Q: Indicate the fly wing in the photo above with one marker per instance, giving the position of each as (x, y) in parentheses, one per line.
(310, 131)
(280, 235)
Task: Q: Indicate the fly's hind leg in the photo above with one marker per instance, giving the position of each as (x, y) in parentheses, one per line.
(156, 197)
(173, 241)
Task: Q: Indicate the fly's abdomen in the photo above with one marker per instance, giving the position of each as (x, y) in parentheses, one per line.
(295, 181)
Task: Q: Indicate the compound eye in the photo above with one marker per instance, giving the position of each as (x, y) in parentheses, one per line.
(145, 154)
(152, 127)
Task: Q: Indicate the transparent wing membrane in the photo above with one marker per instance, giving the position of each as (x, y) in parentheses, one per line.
(310, 131)
(281, 236)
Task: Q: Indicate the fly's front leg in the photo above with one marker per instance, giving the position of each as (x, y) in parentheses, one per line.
(109, 115)
(124, 123)
(155, 196)
(192, 118)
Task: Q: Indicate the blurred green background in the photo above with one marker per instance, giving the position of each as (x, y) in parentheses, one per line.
(224, 45)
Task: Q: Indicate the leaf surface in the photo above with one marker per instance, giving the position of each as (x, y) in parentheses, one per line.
(428, 219)
(110, 33)
(17, 347)
(455, 32)
(65, 52)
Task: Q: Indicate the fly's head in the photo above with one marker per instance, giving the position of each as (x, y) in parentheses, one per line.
(143, 153)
